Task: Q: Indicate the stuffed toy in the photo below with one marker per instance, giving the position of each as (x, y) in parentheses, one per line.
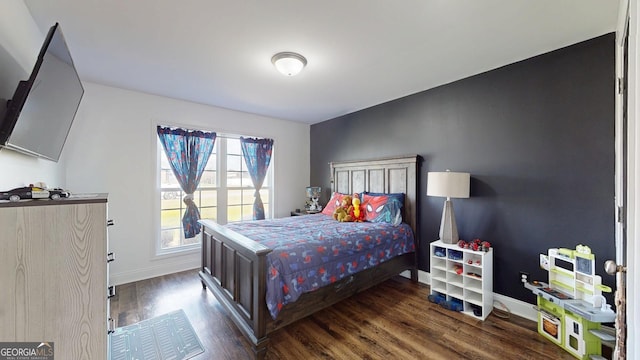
(341, 213)
(357, 213)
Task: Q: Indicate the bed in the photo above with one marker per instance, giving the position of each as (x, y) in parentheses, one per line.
(236, 268)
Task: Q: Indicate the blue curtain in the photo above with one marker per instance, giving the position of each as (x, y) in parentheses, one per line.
(188, 152)
(257, 156)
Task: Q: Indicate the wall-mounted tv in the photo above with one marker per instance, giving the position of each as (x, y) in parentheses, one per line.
(38, 117)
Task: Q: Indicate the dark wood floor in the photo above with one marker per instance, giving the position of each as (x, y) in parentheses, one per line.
(393, 320)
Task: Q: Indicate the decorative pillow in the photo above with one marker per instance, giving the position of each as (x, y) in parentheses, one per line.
(336, 200)
(397, 196)
(382, 208)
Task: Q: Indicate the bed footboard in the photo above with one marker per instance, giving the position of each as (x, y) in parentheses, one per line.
(232, 268)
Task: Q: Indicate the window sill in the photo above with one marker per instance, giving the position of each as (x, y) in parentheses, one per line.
(169, 253)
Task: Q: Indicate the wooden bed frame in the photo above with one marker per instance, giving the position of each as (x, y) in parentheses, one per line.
(234, 266)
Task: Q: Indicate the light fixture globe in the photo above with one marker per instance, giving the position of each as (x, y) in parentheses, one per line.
(289, 63)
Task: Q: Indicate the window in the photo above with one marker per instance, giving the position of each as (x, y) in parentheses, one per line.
(224, 195)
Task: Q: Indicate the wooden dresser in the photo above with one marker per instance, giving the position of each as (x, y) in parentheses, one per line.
(54, 275)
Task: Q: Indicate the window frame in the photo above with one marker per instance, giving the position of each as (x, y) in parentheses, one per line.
(220, 188)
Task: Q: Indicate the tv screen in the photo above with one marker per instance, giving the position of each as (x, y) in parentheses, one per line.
(38, 117)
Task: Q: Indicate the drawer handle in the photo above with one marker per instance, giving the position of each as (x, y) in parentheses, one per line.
(111, 326)
(111, 291)
(110, 222)
(110, 257)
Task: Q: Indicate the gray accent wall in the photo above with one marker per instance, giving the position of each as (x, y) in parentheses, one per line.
(537, 137)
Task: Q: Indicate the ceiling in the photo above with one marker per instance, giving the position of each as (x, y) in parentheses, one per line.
(360, 52)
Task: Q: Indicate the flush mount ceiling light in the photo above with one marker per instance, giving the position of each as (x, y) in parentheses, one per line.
(289, 63)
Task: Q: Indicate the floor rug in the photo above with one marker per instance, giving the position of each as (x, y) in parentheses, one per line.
(165, 337)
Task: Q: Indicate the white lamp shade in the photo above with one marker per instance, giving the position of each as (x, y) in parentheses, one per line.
(288, 63)
(448, 184)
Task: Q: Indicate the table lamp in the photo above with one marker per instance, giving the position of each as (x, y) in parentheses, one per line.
(313, 192)
(450, 185)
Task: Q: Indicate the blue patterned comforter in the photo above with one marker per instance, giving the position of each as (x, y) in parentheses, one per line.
(315, 250)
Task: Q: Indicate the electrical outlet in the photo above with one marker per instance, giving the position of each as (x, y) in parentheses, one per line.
(524, 276)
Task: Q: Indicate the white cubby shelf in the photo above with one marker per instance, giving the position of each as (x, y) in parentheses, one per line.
(463, 275)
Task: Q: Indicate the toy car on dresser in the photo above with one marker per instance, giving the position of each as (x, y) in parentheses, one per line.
(33, 192)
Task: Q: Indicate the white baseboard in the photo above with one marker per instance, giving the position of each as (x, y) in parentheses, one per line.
(150, 272)
(423, 276)
(515, 306)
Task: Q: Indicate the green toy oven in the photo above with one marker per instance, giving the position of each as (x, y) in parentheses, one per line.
(550, 319)
(568, 330)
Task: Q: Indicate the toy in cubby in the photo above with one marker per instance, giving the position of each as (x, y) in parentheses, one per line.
(455, 255)
(474, 259)
(439, 299)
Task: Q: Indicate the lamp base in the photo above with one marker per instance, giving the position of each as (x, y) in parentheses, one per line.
(314, 205)
(448, 228)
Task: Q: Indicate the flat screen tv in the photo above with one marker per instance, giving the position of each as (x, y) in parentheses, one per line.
(38, 117)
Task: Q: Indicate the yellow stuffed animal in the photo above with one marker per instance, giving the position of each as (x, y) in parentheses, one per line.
(356, 213)
(342, 212)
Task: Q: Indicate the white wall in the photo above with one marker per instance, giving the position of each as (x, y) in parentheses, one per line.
(112, 148)
(19, 34)
(21, 40)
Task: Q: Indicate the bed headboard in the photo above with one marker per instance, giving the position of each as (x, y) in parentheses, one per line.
(388, 175)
